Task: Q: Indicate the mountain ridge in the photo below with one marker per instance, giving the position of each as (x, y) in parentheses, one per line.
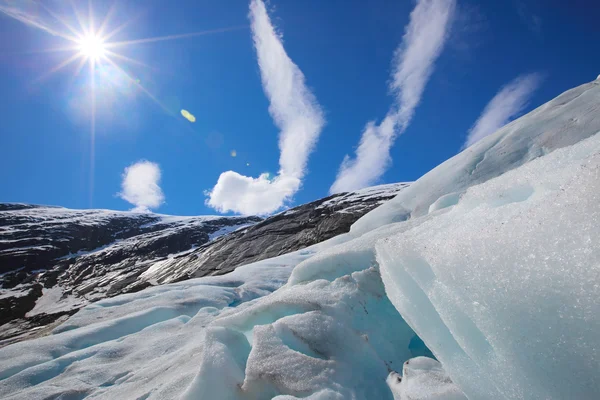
(55, 260)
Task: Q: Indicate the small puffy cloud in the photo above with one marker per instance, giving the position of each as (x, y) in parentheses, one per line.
(140, 186)
(296, 113)
(508, 103)
(422, 44)
(251, 196)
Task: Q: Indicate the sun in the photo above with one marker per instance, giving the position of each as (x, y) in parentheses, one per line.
(92, 47)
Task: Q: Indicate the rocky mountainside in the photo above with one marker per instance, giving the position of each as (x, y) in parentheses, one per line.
(282, 233)
(54, 260)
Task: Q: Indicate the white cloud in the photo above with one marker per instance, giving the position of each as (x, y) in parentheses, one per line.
(296, 113)
(248, 196)
(506, 104)
(423, 41)
(140, 186)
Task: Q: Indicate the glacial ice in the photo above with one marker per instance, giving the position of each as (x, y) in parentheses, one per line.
(506, 285)
(490, 263)
(423, 378)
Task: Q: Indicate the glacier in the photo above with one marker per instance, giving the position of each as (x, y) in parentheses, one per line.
(488, 264)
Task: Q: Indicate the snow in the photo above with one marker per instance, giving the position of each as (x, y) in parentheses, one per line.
(225, 230)
(490, 261)
(18, 291)
(347, 200)
(53, 300)
(87, 252)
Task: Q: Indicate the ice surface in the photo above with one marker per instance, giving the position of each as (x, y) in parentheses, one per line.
(492, 260)
(505, 287)
(224, 337)
(143, 344)
(423, 379)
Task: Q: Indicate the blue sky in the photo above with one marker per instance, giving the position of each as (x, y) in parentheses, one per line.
(346, 53)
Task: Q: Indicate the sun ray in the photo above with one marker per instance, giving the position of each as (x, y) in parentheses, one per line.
(82, 62)
(142, 88)
(57, 68)
(42, 51)
(30, 21)
(129, 60)
(91, 22)
(62, 21)
(173, 37)
(106, 21)
(79, 19)
(79, 68)
(92, 64)
(122, 26)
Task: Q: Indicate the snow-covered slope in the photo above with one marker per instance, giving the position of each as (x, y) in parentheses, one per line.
(55, 260)
(492, 261)
(63, 259)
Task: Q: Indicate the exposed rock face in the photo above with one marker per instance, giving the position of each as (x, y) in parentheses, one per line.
(282, 233)
(54, 261)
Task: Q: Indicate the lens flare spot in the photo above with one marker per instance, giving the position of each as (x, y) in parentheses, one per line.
(233, 153)
(188, 115)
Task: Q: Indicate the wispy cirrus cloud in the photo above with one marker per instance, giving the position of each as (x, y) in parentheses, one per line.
(423, 41)
(296, 113)
(508, 103)
(140, 186)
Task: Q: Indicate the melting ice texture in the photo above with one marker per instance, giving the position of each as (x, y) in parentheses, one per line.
(492, 259)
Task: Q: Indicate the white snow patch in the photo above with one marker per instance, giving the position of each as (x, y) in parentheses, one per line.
(53, 301)
(225, 230)
(18, 291)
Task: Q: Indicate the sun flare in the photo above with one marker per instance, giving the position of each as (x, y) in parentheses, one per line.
(92, 46)
(95, 44)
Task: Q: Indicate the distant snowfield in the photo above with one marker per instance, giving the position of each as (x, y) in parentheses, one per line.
(492, 258)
